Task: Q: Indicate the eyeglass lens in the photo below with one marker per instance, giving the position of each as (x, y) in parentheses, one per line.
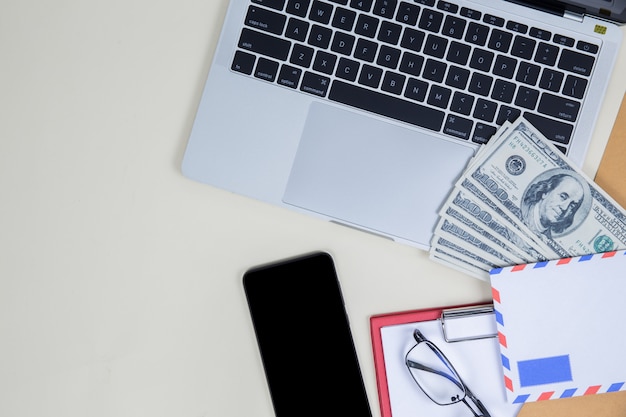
(434, 374)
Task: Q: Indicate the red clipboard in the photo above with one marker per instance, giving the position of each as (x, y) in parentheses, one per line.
(439, 314)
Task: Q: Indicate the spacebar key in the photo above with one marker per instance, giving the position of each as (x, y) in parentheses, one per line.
(385, 105)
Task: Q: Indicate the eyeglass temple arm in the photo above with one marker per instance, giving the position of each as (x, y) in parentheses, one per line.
(421, 367)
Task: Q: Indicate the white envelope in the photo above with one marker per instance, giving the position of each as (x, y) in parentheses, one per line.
(560, 326)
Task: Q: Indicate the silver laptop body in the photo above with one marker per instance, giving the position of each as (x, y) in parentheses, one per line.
(371, 129)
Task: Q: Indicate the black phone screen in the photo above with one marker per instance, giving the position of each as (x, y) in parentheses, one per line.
(304, 338)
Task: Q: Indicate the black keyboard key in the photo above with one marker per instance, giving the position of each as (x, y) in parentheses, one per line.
(587, 47)
(385, 8)
(388, 57)
(483, 133)
(297, 29)
(493, 20)
(576, 62)
(453, 27)
(363, 5)
(324, 62)
(301, 55)
(546, 53)
(344, 19)
(516, 26)
(480, 84)
(563, 40)
(365, 50)
(264, 44)
(315, 84)
(320, 36)
(559, 107)
(462, 103)
(544, 35)
(289, 76)
(457, 126)
(446, 6)
(528, 73)
(298, 7)
(393, 83)
(503, 91)
(458, 53)
(389, 106)
(320, 12)
(439, 96)
(411, 63)
(243, 62)
(342, 43)
(266, 69)
(551, 129)
(366, 26)
(500, 40)
(485, 110)
(347, 69)
(457, 77)
(470, 13)
(481, 60)
(434, 70)
(370, 76)
(507, 113)
(416, 89)
(435, 46)
(407, 13)
(274, 4)
(523, 47)
(412, 39)
(477, 34)
(266, 20)
(504, 66)
(551, 80)
(526, 97)
(575, 86)
(431, 20)
(389, 32)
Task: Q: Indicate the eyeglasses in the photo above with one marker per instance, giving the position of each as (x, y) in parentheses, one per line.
(437, 378)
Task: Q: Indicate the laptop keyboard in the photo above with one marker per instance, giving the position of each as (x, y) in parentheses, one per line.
(433, 64)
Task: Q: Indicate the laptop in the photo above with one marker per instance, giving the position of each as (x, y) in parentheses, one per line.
(365, 112)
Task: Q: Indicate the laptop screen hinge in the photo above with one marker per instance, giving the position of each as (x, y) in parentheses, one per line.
(573, 15)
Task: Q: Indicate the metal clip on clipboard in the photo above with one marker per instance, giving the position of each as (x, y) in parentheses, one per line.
(468, 323)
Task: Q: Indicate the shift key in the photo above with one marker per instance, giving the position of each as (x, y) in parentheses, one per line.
(264, 44)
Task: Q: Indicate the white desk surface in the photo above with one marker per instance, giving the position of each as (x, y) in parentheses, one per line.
(120, 280)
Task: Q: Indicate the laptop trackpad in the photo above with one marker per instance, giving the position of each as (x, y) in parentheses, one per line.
(373, 174)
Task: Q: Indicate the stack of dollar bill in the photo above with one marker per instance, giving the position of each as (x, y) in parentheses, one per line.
(519, 201)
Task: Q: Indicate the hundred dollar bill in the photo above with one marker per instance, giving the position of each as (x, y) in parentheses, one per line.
(478, 209)
(480, 245)
(461, 257)
(523, 238)
(493, 240)
(548, 197)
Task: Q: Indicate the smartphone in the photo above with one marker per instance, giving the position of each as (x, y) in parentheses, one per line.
(304, 338)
